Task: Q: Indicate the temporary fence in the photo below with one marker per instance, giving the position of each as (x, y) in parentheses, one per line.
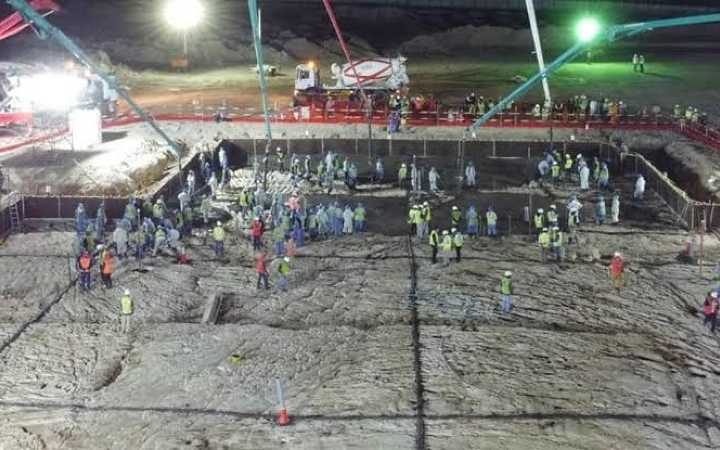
(689, 212)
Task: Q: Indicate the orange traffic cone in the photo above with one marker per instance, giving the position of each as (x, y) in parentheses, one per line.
(283, 419)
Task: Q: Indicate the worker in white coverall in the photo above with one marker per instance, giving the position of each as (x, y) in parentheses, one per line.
(615, 208)
(414, 178)
(584, 178)
(470, 174)
(639, 188)
(347, 220)
(434, 177)
(120, 239)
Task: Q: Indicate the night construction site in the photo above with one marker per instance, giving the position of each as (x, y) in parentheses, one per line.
(323, 152)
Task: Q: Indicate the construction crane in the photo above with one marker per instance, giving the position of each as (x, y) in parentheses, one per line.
(594, 35)
(45, 29)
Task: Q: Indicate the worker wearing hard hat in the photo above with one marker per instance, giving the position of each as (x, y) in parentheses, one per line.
(218, 234)
(126, 311)
(506, 291)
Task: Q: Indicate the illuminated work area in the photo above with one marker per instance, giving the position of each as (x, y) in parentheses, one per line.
(372, 225)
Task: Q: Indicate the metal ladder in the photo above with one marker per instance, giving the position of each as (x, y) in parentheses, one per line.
(15, 219)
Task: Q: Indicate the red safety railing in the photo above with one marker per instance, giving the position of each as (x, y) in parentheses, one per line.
(440, 117)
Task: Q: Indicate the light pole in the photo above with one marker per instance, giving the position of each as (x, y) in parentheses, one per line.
(183, 15)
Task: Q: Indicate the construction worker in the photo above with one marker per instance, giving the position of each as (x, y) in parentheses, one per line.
(100, 221)
(491, 218)
(359, 218)
(552, 216)
(126, 311)
(106, 268)
(556, 240)
(710, 310)
(158, 212)
(600, 210)
(615, 208)
(84, 264)
(568, 166)
(139, 240)
(446, 247)
(261, 269)
(596, 169)
(434, 243)
(455, 217)
(283, 272)
(218, 234)
(160, 239)
(617, 271)
(433, 177)
(415, 178)
(555, 173)
(131, 213)
(402, 175)
(348, 220)
(379, 171)
(584, 178)
(280, 159)
(458, 241)
(278, 235)
(639, 192)
(190, 182)
(470, 174)
(506, 292)
(604, 177)
(539, 220)
(472, 220)
(257, 228)
(544, 243)
(412, 220)
(426, 213)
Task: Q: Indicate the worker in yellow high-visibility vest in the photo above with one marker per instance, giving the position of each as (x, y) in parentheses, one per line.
(126, 311)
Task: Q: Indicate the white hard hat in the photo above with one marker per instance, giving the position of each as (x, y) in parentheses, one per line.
(552, 206)
(508, 273)
(127, 291)
(219, 223)
(714, 294)
(541, 210)
(287, 259)
(454, 230)
(617, 254)
(426, 203)
(454, 207)
(445, 232)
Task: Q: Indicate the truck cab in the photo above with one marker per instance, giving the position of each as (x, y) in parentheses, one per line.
(307, 77)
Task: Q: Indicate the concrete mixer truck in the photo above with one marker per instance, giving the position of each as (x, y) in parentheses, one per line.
(379, 77)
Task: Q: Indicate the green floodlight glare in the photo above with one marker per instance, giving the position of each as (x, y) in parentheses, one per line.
(587, 29)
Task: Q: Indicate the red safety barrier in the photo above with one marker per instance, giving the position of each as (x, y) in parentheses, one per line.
(697, 132)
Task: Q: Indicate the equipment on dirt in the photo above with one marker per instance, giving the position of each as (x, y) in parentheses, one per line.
(269, 70)
(45, 30)
(376, 75)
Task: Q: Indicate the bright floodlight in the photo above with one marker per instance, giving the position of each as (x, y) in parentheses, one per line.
(51, 91)
(183, 14)
(587, 29)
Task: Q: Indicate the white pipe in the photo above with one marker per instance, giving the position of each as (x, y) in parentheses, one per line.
(538, 47)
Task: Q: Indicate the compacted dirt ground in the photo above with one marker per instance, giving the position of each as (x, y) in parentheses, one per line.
(375, 346)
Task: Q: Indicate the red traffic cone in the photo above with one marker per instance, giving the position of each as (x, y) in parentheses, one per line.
(283, 419)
